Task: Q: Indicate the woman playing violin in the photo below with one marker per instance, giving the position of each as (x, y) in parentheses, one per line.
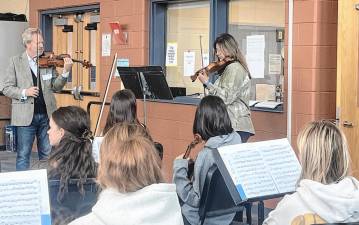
(233, 84)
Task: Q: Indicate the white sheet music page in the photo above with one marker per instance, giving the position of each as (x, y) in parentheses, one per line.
(96, 145)
(24, 198)
(262, 168)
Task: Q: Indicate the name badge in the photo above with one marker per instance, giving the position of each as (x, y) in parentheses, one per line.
(47, 76)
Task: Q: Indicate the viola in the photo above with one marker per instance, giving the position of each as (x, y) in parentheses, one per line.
(50, 60)
(212, 67)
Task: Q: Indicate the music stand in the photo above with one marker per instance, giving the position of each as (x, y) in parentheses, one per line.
(145, 82)
(131, 80)
(157, 85)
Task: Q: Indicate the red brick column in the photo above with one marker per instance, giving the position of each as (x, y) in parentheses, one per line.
(314, 62)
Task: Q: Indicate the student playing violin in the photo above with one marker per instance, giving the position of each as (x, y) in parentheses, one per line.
(233, 84)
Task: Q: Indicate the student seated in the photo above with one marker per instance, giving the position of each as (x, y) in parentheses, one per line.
(123, 109)
(212, 125)
(132, 183)
(71, 158)
(325, 188)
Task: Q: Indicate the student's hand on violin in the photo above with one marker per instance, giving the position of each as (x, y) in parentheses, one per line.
(202, 76)
(180, 156)
(32, 92)
(67, 64)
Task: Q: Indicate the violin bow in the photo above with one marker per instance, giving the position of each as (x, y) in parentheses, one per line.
(200, 44)
(37, 60)
(105, 96)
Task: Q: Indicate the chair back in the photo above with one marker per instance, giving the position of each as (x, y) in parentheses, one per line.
(73, 205)
(216, 199)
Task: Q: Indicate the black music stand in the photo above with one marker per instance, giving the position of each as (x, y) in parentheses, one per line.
(145, 82)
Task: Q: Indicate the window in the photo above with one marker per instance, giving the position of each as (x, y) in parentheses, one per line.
(258, 24)
(188, 29)
(257, 21)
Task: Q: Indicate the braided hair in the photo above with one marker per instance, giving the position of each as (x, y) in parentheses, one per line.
(72, 157)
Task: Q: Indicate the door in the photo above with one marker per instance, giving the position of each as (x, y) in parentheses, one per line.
(347, 76)
(78, 35)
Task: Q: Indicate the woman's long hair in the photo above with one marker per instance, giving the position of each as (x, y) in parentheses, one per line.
(128, 159)
(123, 108)
(324, 153)
(72, 157)
(230, 46)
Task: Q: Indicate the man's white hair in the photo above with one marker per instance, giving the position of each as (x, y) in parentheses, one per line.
(27, 35)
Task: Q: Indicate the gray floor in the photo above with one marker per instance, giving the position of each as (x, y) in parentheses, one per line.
(7, 160)
(7, 164)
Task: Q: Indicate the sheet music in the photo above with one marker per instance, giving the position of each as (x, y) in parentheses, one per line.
(96, 144)
(282, 163)
(250, 177)
(268, 104)
(24, 198)
(261, 168)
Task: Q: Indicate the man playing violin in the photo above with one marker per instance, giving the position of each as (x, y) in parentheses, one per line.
(233, 84)
(33, 100)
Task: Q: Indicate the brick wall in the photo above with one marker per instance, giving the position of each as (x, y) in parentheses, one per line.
(314, 62)
(134, 14)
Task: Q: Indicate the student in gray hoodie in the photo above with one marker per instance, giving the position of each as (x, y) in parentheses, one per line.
(213, 125)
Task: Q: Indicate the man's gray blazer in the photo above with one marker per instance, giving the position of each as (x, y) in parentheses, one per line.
(18, 77)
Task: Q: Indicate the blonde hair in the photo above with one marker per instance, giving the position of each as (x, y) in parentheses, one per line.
(323, 152)
(27, 35)
(128, 159)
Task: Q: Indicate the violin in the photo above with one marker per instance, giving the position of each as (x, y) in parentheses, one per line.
(197, 140)
(213, 67)
(50, 60)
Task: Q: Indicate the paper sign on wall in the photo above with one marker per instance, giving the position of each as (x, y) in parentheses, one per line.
(189, 58)
(123, 63)
(255, 55)
(171, 54)
(275, 64)
(106, 44)
(205, 57)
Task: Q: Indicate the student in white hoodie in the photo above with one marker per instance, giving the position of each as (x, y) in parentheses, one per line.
(130, 176)
(325, 188)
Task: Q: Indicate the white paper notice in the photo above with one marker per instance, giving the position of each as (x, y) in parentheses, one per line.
(24, 198)
(106, 44)
(205, 57)
(171, 54)
(189, 58)
(255, 55)
(262, 168)
(275, 64)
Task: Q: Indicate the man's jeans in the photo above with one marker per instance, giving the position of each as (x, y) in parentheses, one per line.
(25, 140)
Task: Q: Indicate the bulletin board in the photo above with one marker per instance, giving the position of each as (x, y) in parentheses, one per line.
(273, 45)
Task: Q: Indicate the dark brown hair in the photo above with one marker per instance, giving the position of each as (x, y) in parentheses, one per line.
(123, 108)
(212, 118)
(72, 157)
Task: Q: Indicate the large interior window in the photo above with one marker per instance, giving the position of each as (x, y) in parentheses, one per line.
(258, 26)
(187, 29)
